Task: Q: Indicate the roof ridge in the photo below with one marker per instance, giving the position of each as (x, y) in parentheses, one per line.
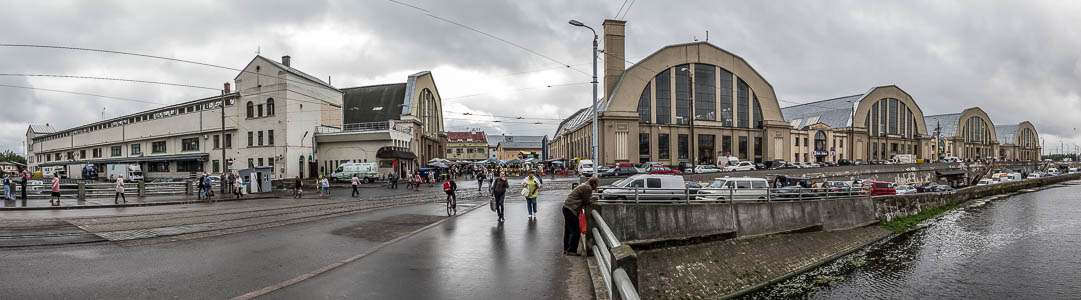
(374, 85)
(820, 101)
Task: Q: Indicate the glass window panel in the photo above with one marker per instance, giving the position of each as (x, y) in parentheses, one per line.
(743, 105)
(705, 98)
(683, 146)
(662, 146)
(683, 94)
(643, 105)
(725, 98)
(663, 89)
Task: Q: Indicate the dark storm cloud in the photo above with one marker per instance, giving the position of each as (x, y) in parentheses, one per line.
(1016, 60)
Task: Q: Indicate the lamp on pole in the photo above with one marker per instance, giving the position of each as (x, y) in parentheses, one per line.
(594, 154)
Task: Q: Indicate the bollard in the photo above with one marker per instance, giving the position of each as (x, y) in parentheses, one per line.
(142, 188)
(187, 187)
(82, 191)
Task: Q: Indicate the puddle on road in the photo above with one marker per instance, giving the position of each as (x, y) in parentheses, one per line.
(387, 228)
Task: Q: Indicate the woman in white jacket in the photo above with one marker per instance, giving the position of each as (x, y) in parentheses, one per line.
(119, 191)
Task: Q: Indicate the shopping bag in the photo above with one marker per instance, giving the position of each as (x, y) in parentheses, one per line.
(582, 221)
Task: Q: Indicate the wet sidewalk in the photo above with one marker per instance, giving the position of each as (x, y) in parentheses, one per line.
(132, 200)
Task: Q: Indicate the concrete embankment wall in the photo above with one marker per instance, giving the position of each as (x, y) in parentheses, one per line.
(651, 222)
(889, 207)
(901, 174)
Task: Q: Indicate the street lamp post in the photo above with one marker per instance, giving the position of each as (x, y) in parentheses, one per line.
(594, 154)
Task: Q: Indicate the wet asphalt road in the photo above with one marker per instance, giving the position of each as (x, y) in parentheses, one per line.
(471, 257)
(519, 259)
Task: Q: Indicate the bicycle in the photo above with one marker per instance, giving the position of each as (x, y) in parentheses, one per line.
(451, 209)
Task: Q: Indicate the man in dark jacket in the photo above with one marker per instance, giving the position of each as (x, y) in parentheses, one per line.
(578, 199)
(499, 190)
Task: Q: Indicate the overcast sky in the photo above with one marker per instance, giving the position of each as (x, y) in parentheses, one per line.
(1018, 60)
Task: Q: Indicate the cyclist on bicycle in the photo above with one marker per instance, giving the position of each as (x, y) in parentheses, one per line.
(449, 187)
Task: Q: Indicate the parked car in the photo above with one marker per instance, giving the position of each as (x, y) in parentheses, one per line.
(1034, 175)
(759, 166)
(601, 170)
(905, 189)
(985, 182)
(793, 192)
(686, 167)
(815, 165)
(740, 166)
(844, 162)
(929, 187)
(838, 188)
(662, 170)
(693, 187)
(706, 169)
(782, 181)
(649, 187)
(735, 188)
(879, 188)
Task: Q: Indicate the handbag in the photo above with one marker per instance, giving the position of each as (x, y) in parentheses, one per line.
(582, 221)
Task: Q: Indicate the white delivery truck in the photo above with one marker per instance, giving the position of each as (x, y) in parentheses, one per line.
(130, 172)
(724, 161)
(903, 159)
(50, 172)
(368, 172)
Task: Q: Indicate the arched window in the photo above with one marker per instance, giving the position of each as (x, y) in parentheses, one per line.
(270, 106)
(820, 142)
(251, 109)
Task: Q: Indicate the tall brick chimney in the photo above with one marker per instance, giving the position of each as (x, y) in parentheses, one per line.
(227, 90)
(285, 60)
(614, 54)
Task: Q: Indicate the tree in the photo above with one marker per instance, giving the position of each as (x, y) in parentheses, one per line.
(11, 156)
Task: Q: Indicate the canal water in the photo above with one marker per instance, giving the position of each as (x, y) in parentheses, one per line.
(1024, 246)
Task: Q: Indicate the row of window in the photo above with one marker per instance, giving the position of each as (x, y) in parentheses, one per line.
(711, 85)
(1027, 138)
(467, 150)
(706, 148)
(256, 110)
(891, 116)
(256, 138)
(976, 130)
(187, 144)
(142, 117)
(820, 141)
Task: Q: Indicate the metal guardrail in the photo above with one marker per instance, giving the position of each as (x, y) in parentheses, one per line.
(617, 281)
(724, 195)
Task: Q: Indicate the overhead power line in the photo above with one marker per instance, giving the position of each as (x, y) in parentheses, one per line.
(516, 90)
(79, 93)
(110, 79)
(516, 45)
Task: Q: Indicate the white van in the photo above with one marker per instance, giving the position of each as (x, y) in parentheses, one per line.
(649, 187)
(740, 166)
(585, 167)
(736, 189)
(368, 172)
(724, 161)
(985, 182)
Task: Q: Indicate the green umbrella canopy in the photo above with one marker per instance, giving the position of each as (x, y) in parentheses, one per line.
(515, 161)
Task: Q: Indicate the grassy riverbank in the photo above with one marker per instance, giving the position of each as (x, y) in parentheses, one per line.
(901, 224)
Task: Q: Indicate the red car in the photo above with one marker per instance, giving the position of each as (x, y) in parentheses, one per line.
(662, 170)
(880, 188)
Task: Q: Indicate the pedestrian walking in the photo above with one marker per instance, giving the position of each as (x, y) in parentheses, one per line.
(530, 190)
(119, 190)
(499, 191)
(390, 180)
(576, 202)
(356, 182)
(199, 185)
(326, 186)
(207, 186)
(394, 180)
(297, 185)
(7, 187)
(238, 187)
(416, 180)
(55, 191)
(480, 181)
